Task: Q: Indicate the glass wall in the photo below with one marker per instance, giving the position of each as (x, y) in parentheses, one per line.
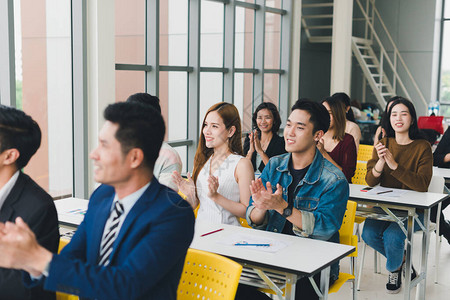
(195, 53)
(42, 30)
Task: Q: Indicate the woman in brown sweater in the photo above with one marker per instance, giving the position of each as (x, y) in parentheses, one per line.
(400, 160)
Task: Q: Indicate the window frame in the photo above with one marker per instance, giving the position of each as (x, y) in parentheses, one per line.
(194, 69)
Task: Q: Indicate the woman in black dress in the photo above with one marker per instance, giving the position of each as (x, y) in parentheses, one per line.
(264, 142)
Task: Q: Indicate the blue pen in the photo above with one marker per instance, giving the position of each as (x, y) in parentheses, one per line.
(244, 244)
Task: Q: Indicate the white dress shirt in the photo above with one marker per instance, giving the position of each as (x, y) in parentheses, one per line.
(6, 189)
(128, 203)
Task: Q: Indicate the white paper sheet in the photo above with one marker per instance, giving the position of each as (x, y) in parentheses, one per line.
(386, 192)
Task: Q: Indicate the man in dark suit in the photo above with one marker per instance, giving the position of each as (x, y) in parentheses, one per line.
(20, 138)
(135, 234)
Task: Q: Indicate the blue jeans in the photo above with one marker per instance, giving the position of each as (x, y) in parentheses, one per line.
(388, 239)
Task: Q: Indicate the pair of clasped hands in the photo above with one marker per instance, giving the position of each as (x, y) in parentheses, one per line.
(263, 198)
(384, 157)
(18, 246)
(255, 142)
(187, 187)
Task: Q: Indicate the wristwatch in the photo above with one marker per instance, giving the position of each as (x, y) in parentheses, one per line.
(288, 210)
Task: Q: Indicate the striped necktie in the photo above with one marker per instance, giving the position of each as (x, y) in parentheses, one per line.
(106, 246)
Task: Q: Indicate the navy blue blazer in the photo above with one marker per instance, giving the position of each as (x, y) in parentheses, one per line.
(148, 254)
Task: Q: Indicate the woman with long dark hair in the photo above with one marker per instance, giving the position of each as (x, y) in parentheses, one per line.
(264, 142)
(384, 122)
(336, 145)
(402, 160)
(222, 176)
(350, 126)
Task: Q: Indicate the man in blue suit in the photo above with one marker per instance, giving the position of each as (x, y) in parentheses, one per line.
(134, 237)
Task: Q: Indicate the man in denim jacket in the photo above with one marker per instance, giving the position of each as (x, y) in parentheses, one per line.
(301, 193)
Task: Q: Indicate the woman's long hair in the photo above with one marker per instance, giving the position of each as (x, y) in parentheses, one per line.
(338, 112)
(230, 116)
(413, 132)
(385, 119)
(344, 98)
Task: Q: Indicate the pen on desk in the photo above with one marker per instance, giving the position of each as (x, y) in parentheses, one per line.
(242, 244)
(212, 232)
(384, 192)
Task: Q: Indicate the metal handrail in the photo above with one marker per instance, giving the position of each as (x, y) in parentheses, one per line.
(383, 52)
(396, 53)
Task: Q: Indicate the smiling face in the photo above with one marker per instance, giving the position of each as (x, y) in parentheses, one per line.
(400, 118)
(110, 164)
(215, 132)
(298, 133)
(264, 120)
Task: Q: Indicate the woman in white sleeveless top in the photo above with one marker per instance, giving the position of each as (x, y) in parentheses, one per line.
(222, 176)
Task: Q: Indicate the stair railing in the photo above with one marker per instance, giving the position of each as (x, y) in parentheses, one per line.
(385, 57)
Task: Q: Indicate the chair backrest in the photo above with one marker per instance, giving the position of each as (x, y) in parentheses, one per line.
(348, 222)
(436, 185)
(364, 152)
(208, 276)
(360, 173)
(62, 243)
(244, 223)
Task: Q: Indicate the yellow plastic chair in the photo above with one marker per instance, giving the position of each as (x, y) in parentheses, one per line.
(364, 152)
(244, 223)
(63, 296)
(208, 276)
(348, 238)
(360, 173)
(360, 178)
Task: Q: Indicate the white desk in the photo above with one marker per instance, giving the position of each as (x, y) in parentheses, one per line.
(71, 211)
(442, 172)
(408, 202)
(302, 257)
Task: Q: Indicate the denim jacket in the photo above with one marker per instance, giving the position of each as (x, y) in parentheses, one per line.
(321, 198)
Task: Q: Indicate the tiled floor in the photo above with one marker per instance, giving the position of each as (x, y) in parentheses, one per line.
(373, 285)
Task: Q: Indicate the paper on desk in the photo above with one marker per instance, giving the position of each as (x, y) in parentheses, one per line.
(275, 245)
(386, 192)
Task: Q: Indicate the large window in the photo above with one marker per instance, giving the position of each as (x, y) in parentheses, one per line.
(195, 53)
(444, 85)
(42, 38)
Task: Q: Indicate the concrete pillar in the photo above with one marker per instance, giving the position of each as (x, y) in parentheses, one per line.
(341, 47)
(101, 67)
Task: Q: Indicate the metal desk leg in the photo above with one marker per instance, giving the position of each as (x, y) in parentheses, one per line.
(291, 281)
(325, 282)
(424, 258)
(438, 243)
(408, 255)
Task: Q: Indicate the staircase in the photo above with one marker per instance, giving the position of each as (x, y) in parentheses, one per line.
(317, 21)
(380, 68)
(373, 70)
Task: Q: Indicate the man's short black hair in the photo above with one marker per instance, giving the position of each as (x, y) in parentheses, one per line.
(319, 115)
(19, 131)
(140, 126)
(146, 99)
